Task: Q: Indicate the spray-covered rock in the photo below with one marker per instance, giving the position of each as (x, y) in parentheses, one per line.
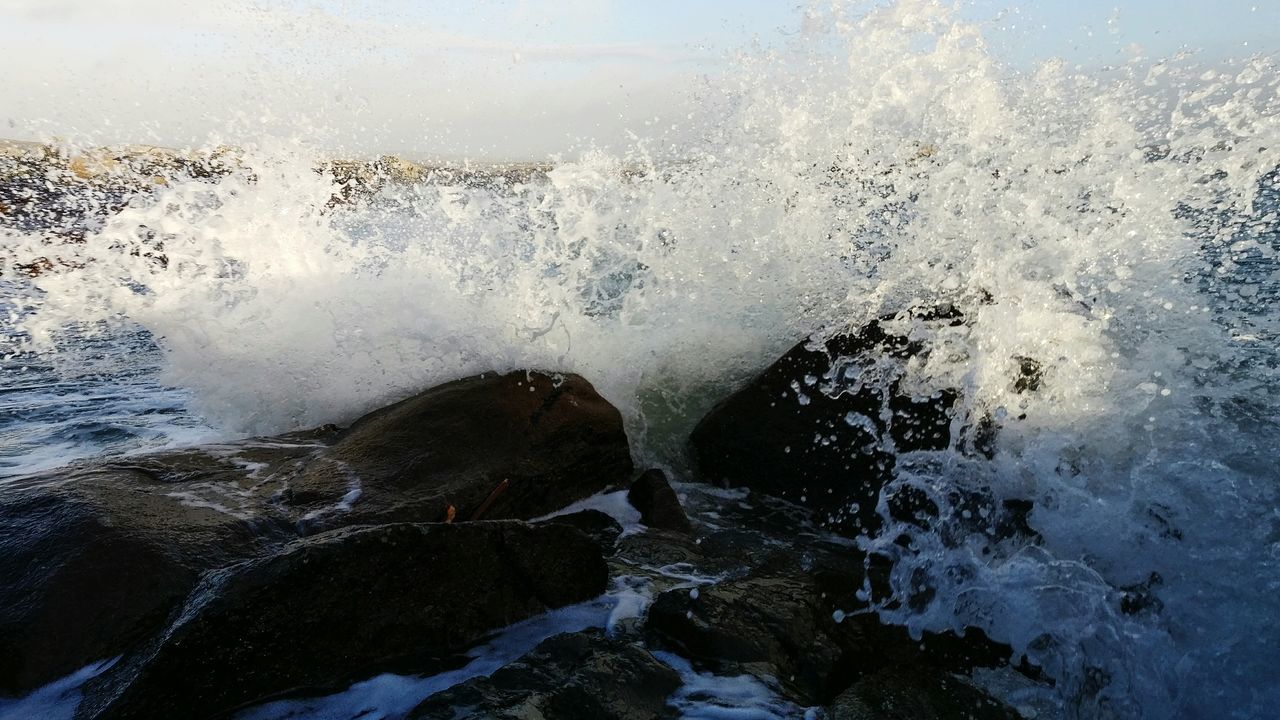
(806, 630)
(823, 425)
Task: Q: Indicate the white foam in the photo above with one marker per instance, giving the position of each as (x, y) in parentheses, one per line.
(614, 504)
(706, 696)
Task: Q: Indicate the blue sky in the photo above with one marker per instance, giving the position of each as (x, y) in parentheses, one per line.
(479, 77)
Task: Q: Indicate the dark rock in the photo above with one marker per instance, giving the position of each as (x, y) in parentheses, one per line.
(578, 676)
(914, 693)
(956, 510)
(822, 426)
(794, 627)
(826, 425)
(93, 558)
(593, 523)
(660, 549)
(659, 507)
(1030, 375)
(513, 446)
(735, 538)
(1014, 522)
(1141, 597)
(343, 604)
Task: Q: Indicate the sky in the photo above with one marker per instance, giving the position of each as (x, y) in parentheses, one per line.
(496, 79)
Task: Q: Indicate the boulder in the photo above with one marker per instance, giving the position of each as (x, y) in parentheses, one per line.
(801, 629)
(822, 426)
(825, 426)
(346, 604)
(916, 694)
(94, 557)
(515, 446)
(577, 676)
(658, 504)
(595, 524)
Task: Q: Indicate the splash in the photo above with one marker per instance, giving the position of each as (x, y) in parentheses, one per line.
(1119, 226)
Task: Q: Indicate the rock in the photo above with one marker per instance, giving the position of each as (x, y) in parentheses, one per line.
(345, 604)
(802, 629)
(96, 556)
(93, 558)
(735, 539)
(916, 694)
(822, 426)
(1030, 375)
(659, 507)
(657, 549)
(593, 523)
(514, 446)
(955, 510)
(65, 194)
(1141, 597)
(578, 676)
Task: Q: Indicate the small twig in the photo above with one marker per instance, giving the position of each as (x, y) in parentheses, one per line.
(484, 506)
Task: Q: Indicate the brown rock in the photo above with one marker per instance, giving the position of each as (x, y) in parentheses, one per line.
(553, 439)
(659, 507)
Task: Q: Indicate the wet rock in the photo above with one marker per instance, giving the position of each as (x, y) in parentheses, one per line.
(1141, 597)
(734, 538)
(93, 558)
(574, 676)
(803, 629)
(659, 507)
(514, 446)
(1030, 375)
(913, 693)
(64, 195)
(822, 426)
(956, 510)
(345, 604)
(661, 549)
(593, 523)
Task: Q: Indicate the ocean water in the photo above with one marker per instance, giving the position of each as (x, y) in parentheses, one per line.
(1120, 226)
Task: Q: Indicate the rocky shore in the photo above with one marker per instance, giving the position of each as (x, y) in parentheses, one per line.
(65, 193)
(204, 582)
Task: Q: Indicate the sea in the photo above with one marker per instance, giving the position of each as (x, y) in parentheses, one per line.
(1119, 225)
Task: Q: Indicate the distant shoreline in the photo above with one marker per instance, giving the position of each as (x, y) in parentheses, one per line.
(121, 151)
